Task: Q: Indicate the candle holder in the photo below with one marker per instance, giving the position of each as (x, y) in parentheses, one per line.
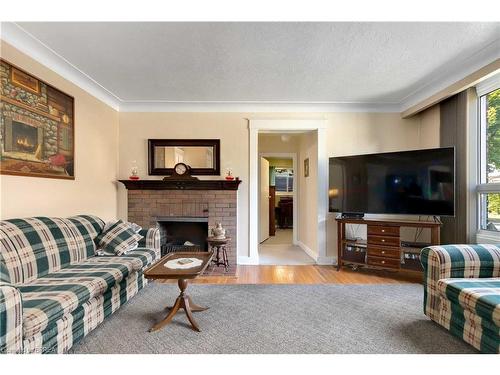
(134, 171)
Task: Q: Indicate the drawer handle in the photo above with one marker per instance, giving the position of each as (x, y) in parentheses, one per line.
(383, 262)
(383, 240)
(383, 252)
(383, 230)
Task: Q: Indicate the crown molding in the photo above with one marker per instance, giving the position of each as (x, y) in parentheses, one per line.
(19, 38)
(488, 85)
(447, 76)
(250, 107)
(281, 124)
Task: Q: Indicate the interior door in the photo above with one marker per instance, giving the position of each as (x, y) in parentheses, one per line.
(264, 200)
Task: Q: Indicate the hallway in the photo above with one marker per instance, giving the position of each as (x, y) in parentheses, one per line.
(279, 250)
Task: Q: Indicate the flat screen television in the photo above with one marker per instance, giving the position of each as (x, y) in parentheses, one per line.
(420, 182)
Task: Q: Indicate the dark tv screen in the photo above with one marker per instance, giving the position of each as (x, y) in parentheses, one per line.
(420, 182)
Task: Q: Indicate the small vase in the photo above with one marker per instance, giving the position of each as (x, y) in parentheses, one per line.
(218, 232)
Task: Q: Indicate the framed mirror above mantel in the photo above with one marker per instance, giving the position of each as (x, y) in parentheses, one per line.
(201, 155)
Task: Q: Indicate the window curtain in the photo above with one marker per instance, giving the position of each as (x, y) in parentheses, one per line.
(453, 132)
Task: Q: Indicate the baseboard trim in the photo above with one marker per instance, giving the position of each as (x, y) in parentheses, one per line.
(248, 260)
(326, 261)
(308, 250)
(243, 260)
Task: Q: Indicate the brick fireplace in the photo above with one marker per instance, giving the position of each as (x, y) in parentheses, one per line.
(152, 202)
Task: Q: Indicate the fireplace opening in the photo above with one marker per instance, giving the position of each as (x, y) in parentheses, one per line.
(24, 137)
(183, 234)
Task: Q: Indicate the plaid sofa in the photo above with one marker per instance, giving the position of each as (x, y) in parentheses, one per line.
(53, 289)
(462, 292)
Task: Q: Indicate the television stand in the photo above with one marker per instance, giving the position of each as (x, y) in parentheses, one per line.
(383, 248)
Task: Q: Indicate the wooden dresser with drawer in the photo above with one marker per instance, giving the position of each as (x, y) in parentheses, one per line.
(382, 248)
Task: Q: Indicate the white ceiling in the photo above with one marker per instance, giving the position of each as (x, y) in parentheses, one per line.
(378, 63)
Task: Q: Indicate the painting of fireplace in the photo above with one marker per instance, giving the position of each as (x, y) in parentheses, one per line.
(183, 234)
(36, 126)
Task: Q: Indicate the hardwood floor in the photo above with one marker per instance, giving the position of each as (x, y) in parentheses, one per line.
(310, 274)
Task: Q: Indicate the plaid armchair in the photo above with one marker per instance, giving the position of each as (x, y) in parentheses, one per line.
(462, 292)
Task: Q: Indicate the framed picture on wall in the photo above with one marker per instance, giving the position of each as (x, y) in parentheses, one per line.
(306, 167)
(37, 126)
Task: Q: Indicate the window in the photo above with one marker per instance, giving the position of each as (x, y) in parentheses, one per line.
(489, 187)
(284, 180)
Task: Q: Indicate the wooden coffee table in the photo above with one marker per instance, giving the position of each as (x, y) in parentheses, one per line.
(159, 272)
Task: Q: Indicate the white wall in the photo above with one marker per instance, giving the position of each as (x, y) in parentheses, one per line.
(429, 127)
(280, 162)
(272, 143)
(94, 189)
(347, 134)
(308, 190)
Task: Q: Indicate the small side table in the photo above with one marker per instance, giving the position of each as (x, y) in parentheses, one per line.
(158, 271)
(218, 246)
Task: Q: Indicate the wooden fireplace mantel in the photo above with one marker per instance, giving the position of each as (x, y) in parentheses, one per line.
(184, 184)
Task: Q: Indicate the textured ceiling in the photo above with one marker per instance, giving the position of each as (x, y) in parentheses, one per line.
(264, 62)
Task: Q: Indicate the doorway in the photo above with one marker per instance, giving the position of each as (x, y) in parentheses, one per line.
(313, 240)
(278, 210)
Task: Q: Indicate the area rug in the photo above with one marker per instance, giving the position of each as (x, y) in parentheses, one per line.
(277, 319)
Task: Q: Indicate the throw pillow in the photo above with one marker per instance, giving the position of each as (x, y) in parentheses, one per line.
(118, 239)
(135, 227)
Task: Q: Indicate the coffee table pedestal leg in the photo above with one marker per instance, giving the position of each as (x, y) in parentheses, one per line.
(183, 301)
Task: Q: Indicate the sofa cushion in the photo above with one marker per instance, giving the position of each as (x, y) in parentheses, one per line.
(49, 298)
(145, 255)
(118, 239)
(4, 272)
(34, 247)
(87, 228)
(481, 296)
(151, 239)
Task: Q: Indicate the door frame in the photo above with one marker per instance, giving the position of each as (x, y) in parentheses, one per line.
(262, 220)
(293, 156)
(286, 126)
